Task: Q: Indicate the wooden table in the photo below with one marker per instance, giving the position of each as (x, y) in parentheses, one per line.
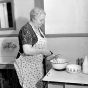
(64, 77)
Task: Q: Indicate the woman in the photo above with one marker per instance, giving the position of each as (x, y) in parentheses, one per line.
(33, 48)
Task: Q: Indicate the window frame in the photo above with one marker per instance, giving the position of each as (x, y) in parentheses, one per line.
(13, 16)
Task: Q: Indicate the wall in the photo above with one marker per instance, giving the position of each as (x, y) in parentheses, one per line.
(22, 9)
(70, 48)
(66, 16)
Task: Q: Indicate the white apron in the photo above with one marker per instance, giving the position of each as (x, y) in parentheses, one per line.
(30, 68)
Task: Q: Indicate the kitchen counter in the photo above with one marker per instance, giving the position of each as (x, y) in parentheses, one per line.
(66, 78)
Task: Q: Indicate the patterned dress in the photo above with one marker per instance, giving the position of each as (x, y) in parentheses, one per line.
(30, 68)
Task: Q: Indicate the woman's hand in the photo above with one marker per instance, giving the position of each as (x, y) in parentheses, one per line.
(46, 52)
(50, 57)
(53, 56)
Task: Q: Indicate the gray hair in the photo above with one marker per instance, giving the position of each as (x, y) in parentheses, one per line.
(35, 12)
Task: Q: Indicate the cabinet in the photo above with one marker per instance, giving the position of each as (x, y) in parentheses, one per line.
(55, 85)
(75, 86)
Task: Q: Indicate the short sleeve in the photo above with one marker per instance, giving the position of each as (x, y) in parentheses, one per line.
(25, 37)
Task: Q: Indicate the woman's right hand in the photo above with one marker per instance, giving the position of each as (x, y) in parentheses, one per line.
(46, 52)
(53, 56)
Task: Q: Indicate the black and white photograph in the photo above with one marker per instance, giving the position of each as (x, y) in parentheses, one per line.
(43, 43)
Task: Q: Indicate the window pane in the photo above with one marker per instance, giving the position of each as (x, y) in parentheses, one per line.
(6, 20)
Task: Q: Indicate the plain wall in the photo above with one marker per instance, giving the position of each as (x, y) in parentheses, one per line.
(70, 48)
(66, 16)
(71, 16)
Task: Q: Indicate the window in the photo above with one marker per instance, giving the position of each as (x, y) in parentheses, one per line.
(7, 15)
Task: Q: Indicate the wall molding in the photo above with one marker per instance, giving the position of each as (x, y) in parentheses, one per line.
(9, 35)
(67, 35)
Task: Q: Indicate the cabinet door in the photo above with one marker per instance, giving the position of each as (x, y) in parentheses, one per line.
(75, 86)
(55, 85)
(84, 86)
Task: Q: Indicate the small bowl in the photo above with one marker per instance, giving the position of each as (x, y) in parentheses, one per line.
(59, 63)
(73, 68)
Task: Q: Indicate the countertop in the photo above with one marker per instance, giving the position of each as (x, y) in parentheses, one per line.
(63, 76)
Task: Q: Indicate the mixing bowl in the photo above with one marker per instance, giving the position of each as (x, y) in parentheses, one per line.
(59, 63)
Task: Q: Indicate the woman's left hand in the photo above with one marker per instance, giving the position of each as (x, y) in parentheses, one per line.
(52, 56)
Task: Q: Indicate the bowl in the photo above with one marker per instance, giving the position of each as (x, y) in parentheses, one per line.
(59, 63)
(73, 68)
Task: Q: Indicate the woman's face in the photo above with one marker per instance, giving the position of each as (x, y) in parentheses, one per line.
(39, 20)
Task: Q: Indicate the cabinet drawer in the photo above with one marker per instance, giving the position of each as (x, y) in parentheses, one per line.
(9, 46)
(75, 86)
(55, 85)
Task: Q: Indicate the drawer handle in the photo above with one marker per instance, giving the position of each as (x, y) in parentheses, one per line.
(9, 45)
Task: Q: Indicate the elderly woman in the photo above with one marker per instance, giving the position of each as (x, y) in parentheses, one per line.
(32, 49)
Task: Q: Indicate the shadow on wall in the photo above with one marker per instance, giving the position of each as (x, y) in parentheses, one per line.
(20, 22)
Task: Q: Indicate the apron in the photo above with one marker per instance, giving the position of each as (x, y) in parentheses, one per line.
(30, 68)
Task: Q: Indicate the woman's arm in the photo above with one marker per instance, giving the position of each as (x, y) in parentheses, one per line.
(28, 50)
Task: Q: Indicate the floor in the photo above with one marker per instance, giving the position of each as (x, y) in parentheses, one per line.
(8, 77)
